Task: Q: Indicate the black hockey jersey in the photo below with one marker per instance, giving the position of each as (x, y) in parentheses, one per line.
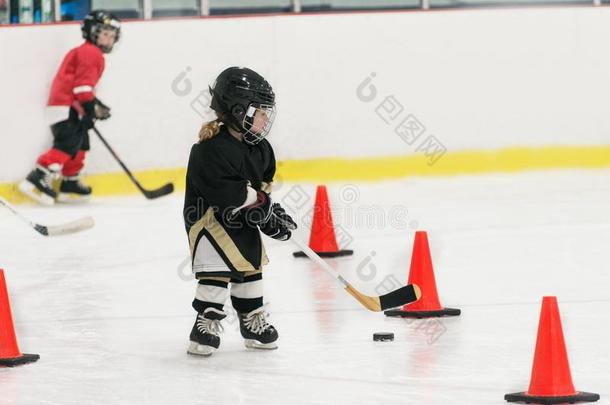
(219, 170)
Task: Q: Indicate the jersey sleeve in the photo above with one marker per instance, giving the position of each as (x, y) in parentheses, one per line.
(88, 70)
(217, 179)
(269, 172)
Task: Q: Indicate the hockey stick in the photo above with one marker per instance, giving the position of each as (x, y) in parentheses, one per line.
(404, 295)
(62, 229)
(150, 194)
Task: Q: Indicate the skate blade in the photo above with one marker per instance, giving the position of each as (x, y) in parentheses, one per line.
(69, 198)
(200, 350)
(31, 191)
(255, 344)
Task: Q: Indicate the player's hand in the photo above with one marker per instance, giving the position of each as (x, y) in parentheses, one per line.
(102, 111)
(271, 218)
(280, 224)
(88, 118)
(281, 214)
(276, 228)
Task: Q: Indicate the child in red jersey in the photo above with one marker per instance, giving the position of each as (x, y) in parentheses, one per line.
(72, 108)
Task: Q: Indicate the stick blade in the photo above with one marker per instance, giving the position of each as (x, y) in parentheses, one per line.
(404, 295)
(64, 229)
(159, 192)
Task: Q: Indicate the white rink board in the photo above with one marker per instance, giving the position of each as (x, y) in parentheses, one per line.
(482, 79)
(110, 315)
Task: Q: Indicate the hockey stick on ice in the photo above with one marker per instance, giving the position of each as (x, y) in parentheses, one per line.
(62, 229)
(150, 194)
(393, 299)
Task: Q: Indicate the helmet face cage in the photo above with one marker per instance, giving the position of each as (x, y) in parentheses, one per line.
(254, 135)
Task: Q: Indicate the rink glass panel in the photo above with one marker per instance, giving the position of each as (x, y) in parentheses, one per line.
(120, 8)
(26, 11)
(175, 8)
(4, 13)
(491, 3)
(323, 5)
(76, 10)
(249, 6)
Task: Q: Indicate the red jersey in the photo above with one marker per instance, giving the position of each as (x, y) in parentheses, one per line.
(77, 77)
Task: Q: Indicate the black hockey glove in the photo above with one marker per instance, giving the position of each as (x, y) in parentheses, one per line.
(271, 219)
(279, 225)
(102, 111)
(276, 229)
(281, 214)
(88, 118)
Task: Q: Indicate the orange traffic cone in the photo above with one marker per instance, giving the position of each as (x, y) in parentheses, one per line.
(422, 274)
(322, 239)
(551, 381)
(9, 350)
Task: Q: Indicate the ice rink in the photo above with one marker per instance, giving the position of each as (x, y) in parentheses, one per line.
(109, 310)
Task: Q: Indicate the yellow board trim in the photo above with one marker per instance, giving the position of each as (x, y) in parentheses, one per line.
(371, 169)
(452, 163)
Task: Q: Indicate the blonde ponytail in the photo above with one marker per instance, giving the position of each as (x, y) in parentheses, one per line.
(209, 130)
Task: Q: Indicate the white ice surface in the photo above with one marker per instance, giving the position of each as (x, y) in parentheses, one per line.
(109, 310)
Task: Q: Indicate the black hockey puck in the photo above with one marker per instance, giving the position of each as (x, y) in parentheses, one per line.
(383, 336)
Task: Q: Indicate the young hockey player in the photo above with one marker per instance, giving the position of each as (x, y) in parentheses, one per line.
(227, 202)
(72, 109)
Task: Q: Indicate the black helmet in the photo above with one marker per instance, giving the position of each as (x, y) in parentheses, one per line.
(95, 22)
(237, 94)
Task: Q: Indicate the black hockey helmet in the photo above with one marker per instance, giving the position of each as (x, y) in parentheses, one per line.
(237, 94)
(95, 22)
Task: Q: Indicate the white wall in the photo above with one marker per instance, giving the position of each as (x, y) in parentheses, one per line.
(476, 79)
